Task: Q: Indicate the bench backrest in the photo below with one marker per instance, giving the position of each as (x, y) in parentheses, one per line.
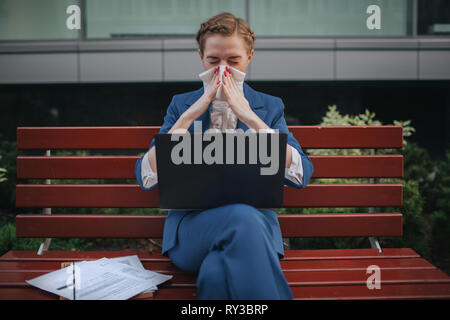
(130, 195)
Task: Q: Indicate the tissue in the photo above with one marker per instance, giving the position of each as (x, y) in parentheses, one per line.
(238, 77)
(221, 115)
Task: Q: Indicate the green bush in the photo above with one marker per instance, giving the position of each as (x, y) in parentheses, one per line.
(8, 240)
(440, 218)
(416, 185)
(8, 179)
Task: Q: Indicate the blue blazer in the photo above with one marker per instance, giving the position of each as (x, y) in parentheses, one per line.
(270, 109)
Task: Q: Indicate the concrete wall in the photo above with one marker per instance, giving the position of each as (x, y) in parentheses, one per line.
(160, 60)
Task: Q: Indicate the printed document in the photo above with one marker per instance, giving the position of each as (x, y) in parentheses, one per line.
(104, 279)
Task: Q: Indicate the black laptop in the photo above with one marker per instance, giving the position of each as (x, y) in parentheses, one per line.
(206, 170)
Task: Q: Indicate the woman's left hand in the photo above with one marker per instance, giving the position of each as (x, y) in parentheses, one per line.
(236, 100)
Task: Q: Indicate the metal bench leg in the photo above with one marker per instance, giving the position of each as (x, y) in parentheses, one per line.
(374, 244)
(46, 244)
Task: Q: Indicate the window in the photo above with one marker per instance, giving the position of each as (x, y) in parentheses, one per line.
(131, 18)
(434, 17)
(327, 17)
(35, 20)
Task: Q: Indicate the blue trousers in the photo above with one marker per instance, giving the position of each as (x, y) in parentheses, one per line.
(231, 251)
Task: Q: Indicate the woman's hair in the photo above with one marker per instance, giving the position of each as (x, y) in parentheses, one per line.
(225, 24)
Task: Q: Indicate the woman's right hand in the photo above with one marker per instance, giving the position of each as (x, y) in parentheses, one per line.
(200, 106)
(192, 113)
(213, 86)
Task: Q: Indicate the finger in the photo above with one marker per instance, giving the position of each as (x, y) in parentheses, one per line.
(231, 80)
(215, 87)
(225, 88)
(228, 82)
(213, 82)
(214, 78)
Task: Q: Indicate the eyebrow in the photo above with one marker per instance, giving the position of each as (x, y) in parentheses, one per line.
(214, 57)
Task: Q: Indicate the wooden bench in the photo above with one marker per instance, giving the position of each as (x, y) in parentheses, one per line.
(312, 274)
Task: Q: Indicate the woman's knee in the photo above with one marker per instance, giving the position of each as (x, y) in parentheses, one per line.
(246, 219)
(243, 213)
(183, 260)
(211, 281)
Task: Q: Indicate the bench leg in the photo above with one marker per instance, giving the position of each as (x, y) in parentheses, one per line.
(44, 246)
(374, 244)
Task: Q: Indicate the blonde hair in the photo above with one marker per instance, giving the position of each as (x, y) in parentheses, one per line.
(225, 24)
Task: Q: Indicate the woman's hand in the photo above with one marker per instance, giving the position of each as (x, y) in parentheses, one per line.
(186, 119)
(214, 84)
(200, 106)
(239, 104)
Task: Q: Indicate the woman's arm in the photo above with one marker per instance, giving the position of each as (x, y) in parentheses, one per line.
(193, 112)
(241, 108)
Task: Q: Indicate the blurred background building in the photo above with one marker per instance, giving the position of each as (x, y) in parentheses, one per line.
(129, 57)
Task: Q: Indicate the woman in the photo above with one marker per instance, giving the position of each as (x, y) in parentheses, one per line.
(234, 250)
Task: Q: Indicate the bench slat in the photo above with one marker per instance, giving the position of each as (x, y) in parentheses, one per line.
(411, 291)
(406, 254)
(294, 278)
(349, 264)
(286, 265)
(360, 292)
(319, 278)
(132, 196)
(344, 254)
(122, 167)
(148, 226)
(139, 137)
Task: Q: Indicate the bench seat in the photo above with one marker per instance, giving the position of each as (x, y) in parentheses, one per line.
(312, 274)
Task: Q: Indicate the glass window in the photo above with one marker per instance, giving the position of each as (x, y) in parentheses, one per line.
(35, 20)
(434, 17)
(327, 17)
(118, 18)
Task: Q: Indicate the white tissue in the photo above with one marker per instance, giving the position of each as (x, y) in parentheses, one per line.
(221, 115)
(238, 77)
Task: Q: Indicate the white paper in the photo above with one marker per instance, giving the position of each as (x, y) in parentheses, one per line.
(104, 279)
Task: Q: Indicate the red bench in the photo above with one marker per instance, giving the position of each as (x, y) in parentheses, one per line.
(312, 274)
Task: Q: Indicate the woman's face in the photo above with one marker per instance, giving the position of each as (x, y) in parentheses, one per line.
(225, 50)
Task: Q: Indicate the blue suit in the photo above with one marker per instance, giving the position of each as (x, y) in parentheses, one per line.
(233, 249)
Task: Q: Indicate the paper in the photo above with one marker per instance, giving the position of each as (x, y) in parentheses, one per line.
(104, 279)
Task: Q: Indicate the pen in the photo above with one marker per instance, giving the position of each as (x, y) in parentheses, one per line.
(64, 287)
(73, 284)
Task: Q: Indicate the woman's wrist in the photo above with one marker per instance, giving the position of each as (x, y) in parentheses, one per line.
(197, 109)
(252, 121)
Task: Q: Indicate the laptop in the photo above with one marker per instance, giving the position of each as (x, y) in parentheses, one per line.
(198, 171)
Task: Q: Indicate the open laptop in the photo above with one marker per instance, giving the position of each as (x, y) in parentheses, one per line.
(203, 170)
